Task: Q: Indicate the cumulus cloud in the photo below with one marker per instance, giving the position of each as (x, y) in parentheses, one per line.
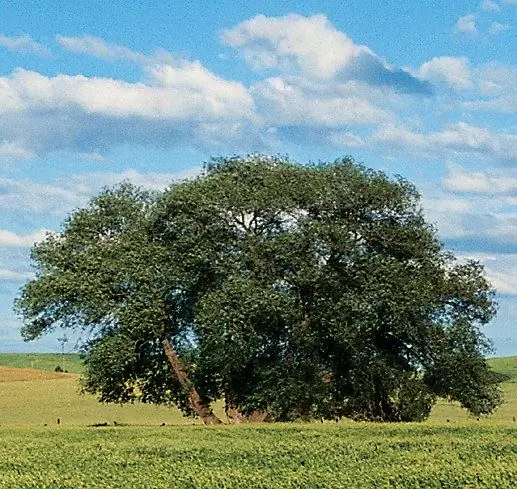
(473, 209)
(327, 89)
(99, 48)
(460, 139)
(8, 238)
(178, 102)
(497, 79)
(498, 27)
(452, 71)
(311, 43)
(496, 85)
(313, 46)
(182, 103)
(23, 44)
(39, 114)
(467, 24)
(490, 86)
(490, 6)
(472, 224)
(346, 139)
(298, 102)
(13, 276)
(61, 196)
(447, 213)
(188, 91)
(22, 196)
(490, 181)
(10, 150)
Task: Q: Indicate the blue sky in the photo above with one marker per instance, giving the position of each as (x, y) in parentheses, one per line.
(92, 93)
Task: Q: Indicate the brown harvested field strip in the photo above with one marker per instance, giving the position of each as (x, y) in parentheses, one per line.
(11, 374)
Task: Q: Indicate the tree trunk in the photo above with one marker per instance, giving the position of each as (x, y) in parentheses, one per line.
(197, 404)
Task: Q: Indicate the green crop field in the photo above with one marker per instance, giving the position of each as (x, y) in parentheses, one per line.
(282, 456)
(134, 450)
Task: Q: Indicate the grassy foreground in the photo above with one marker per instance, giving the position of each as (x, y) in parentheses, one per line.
(450, 450)
(281, 456)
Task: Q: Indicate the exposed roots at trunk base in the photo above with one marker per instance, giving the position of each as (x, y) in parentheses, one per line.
(234, 416)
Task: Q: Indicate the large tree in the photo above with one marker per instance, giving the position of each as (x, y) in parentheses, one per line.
(290, 290)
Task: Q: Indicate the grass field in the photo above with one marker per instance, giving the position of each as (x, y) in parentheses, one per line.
(43, 361)
(46, 395)
(451, 449)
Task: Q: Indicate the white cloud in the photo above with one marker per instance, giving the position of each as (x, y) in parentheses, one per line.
(327, 86)
(473, 222)
(98, 47)
(189, 91)
(63, 195)
(459, 139)
(10, 239)
(23, 44)
(12, 276)
(203, 90)
(14, 151)
(451, 204)
(180, 102)
(497, 83)
(27, 196)
(312, 43)
(298, 102)
(497, 28)
(447, 212)
(474, 208)
(459, 179)
(467, 24)
(490, 6)
(346, 139)
(497, 79)
(453, 71)
(40, 114)
(151, 181)
(314, 47)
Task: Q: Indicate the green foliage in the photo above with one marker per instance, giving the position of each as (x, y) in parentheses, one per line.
(273, 457)
(313, 291)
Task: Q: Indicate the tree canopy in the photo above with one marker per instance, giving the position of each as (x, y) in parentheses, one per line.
(291, 291)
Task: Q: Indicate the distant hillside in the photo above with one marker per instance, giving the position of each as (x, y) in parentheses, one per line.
(15, 374)
(73, 363)
(70, 362)
(506, 366)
